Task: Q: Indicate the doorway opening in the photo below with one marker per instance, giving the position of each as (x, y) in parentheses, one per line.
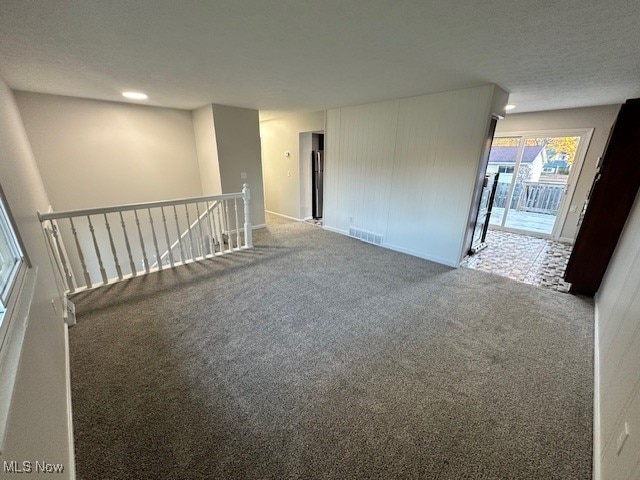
(312, 165)
(537, 174)
(532, 176)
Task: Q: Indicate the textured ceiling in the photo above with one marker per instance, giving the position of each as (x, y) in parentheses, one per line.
(306, 55)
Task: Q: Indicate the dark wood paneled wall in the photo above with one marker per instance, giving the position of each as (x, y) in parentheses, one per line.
(612, 196)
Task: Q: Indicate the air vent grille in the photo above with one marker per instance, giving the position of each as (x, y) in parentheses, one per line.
(369, 237)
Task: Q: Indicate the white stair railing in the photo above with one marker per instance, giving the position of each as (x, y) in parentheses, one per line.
(103, 255)
(210, 230)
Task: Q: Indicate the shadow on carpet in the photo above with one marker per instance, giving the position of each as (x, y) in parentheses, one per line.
(318, 356)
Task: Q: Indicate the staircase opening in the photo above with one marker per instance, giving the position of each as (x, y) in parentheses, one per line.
(100, 246)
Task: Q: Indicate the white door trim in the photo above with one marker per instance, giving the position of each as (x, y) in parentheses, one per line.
(585, 135)
(574, 175)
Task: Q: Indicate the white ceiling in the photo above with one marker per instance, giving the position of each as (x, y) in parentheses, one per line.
(307, 55)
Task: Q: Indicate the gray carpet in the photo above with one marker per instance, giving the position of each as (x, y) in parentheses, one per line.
(318, 356)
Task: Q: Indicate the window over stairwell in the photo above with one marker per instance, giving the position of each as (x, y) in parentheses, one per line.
(16, 289)
(11, 259)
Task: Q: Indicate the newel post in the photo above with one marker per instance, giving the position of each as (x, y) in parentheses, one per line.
(248, 233)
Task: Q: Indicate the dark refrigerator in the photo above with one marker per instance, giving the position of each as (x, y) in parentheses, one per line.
(317, 158)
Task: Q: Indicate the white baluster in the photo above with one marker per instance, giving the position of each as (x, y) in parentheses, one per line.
(182, 257)
(216, 234)
(48, 235)
(202, 241)
(113, 247)
(145, 261)
(103, 272)
(193, 250)
(63, 260)
(248, 232)
(155, 240)
(226, 219)
(166, 237)
(212, 243)
(235, 207)
(221, 224)
(132, 264)
(87, 278)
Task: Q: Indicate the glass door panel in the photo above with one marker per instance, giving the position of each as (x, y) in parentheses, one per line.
(539, 183)
(502, 159)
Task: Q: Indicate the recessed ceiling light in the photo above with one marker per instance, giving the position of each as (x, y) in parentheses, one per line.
(509, 107)
(135, 95)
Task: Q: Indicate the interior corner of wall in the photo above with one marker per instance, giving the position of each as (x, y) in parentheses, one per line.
(206, 149)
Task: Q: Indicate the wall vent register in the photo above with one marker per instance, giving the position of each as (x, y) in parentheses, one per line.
(369, 237)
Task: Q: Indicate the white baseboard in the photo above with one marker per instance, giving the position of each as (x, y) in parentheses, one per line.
(284, 216)
(71, 468)
(413, 253)
(596, 393)
(566, 240)
(336, 230)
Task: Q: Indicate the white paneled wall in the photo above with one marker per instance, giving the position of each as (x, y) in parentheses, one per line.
(360, 149)
(406, 169)
(618, 311)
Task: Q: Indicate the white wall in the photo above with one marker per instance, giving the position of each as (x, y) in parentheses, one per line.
(618, 314)
(407, 169)
(37, 427)
(93, 153)
(207, 148)
(282, 174)
(599, 118)
(237, 134)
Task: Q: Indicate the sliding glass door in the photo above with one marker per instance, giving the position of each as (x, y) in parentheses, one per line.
(535, 175)
(503, 159)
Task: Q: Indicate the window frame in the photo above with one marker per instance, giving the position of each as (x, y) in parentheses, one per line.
(506, 169)
(16, 305)
(585, 135)
(9, 293)
(7, 230)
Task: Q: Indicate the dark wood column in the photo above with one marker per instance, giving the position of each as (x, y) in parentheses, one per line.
(612, 195)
